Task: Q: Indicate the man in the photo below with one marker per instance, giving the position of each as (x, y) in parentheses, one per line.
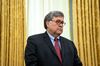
(49, 48)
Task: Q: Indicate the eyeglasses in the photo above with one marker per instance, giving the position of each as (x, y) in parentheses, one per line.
(59, 22)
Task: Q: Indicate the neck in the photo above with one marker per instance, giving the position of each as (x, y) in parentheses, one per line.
(53, 34)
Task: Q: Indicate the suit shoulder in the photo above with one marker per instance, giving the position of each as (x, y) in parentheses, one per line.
(35, 36)
(65, 39)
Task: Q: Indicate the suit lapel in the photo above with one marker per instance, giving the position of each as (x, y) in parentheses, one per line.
(49, 43)
(62, 48)
(64, 51)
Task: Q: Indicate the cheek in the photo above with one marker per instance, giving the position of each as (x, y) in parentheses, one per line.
(54, 27)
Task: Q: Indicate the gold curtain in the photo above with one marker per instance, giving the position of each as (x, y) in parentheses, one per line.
(86, 30)
(12, 32)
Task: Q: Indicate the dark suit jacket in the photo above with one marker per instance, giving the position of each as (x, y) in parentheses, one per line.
(39, 51)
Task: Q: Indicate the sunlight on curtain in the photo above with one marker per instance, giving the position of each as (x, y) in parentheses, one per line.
(37, 9)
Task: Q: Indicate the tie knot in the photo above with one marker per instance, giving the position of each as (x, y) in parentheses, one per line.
(56, 39)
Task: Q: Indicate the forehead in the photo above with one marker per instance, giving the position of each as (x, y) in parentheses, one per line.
(59, 17)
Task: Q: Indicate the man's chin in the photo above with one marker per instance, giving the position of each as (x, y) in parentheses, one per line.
(59, 33)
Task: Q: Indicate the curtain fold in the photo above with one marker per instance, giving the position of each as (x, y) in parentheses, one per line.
(86, 30)
(12, 32)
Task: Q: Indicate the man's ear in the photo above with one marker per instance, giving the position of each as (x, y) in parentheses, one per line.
(47, 23)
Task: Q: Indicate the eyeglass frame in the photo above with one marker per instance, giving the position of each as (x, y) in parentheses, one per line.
(58, 22)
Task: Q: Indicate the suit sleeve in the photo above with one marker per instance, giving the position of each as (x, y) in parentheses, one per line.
(30, 53)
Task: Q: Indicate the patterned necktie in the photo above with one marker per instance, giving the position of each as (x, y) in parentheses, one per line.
(57, 48)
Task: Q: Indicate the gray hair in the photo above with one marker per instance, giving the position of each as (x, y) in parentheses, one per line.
(50, 16)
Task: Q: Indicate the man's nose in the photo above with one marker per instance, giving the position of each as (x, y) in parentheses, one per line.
(61, 25)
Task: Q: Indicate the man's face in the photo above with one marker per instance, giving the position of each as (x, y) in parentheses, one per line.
(55, 26)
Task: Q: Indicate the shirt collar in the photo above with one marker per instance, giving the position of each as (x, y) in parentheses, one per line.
(52, 37)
